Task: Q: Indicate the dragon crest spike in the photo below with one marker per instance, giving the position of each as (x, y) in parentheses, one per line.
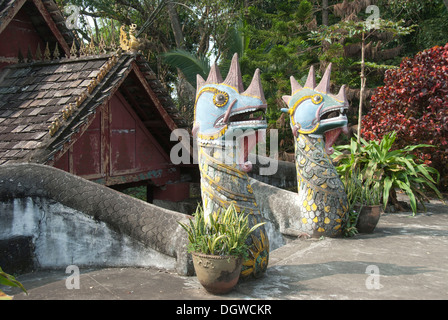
(255, 89)
(215, 75)
(324, 84)
(286, 99)
(199, 82)
(295, 86)
(341, 96)
(311, 80)
(234, 78)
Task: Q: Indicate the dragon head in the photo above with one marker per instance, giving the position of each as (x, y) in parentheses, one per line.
(224, 111)
(314, 110)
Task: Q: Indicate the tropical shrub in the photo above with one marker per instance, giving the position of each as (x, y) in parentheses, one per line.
(380, 167)
(414, 103)
(222, 233)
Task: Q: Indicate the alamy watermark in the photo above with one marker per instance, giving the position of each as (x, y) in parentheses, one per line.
(373, 280)
(72, 281)
(373, 21)
(72, 21)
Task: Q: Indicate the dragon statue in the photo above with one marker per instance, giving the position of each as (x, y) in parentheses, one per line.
(227, 121)
(317, 117)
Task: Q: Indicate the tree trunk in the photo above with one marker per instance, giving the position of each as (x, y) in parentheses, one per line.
(363, 85)
(185, 90)
(325, 12)
(175, 25)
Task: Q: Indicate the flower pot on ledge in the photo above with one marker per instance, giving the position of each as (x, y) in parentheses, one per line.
(217, 274)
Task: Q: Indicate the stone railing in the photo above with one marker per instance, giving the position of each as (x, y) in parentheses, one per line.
(153, 227)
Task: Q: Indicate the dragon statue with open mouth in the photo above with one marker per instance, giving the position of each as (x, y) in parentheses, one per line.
(227, 126)
(317, 117)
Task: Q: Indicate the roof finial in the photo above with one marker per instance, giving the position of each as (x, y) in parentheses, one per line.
(47, 54)
(56, 54)
(73, 50)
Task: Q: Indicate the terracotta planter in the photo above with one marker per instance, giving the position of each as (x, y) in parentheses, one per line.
(217, 274)
(368, 218)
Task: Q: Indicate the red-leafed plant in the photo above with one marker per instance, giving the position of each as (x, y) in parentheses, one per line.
(414, 103)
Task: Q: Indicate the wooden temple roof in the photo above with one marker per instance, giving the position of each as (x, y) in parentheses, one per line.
(44, 104)
(46, 19)
(50, 94)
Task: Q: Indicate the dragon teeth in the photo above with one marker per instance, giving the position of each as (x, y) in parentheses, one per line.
(247, 122)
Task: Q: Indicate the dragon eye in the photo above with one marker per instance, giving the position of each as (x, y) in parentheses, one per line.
(220, 99)
(317, 98)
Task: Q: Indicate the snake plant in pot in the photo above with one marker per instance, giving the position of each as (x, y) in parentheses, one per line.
(218, 247)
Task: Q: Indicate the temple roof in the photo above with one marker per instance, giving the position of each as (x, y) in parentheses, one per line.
(49, 96)
(44, 104)
(46, 17)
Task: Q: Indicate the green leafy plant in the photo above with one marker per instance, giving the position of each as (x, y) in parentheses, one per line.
(413, 102)
(379, 167)
(372, 192)
(350, 227)
(223, 233)
(359, 194)
(349, 28)
(353, 189)
(9, 280)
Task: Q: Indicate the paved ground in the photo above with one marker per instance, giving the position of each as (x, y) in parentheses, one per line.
(405, 258)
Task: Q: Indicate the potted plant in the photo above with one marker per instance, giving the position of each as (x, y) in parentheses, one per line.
(364, 204)
(218, 247)
(388, 169)
(369, 208)
(353, 189)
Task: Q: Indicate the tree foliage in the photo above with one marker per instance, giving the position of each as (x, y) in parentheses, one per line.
(414, 103)
(273, 35)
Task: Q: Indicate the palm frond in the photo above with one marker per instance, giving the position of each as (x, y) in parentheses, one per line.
(190, 64)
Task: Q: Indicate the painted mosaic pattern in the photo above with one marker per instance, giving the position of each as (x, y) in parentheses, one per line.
(317, 118)
(321, 192)
(223, 184)
(226, 115)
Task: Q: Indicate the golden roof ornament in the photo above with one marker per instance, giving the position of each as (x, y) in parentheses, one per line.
(132, 44)
(47, 54)
(73, 50)
(124, 42)
(56, 54)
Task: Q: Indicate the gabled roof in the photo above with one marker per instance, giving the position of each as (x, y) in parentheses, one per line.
(46, 18)
(45, 105)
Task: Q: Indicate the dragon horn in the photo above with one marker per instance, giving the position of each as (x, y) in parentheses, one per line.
(199, 82)
(341, 95)
(214, 76)
(286, 99)
(324, 85)
(311, 80)
(255, 89)
(234, 78)
(295, 86)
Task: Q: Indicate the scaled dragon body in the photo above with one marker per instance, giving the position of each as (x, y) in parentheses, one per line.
(226, 131)
(317, 118)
